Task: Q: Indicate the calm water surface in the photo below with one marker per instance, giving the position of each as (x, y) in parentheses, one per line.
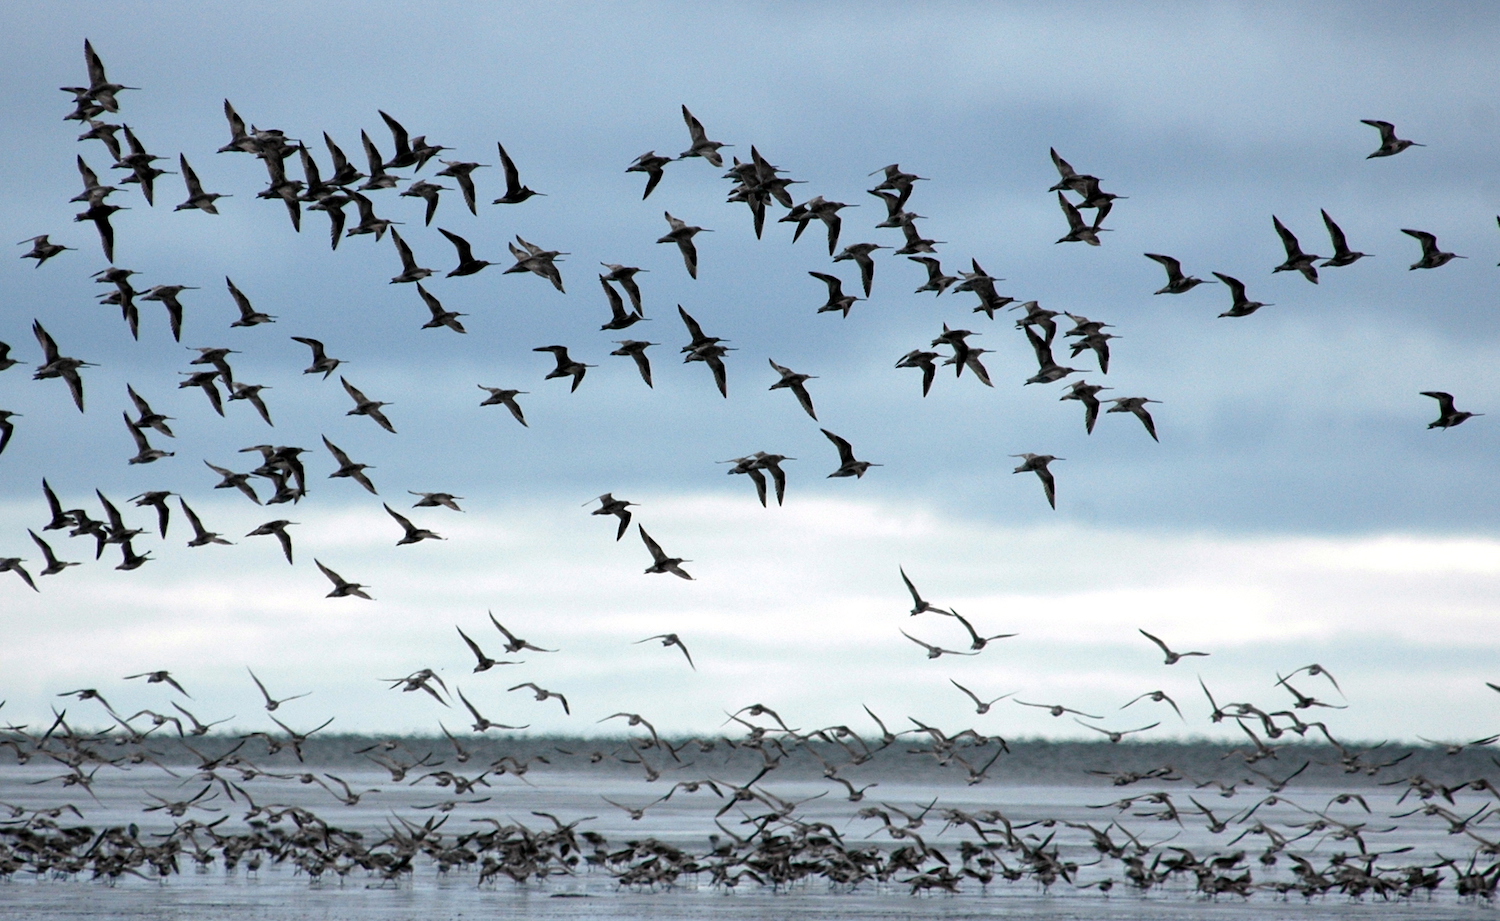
(279, 892)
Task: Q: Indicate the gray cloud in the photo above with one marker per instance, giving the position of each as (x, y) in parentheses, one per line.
(1302, 419)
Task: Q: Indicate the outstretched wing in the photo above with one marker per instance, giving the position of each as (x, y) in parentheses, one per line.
(1157, 641)
(194, 187)
(1064, 168)
(45, 340)
(398, 133)
(1075, 220)
(1386, 129)
(333, 577)
(1236, 287)
(1173, 266)
(512, 175)
(695, 127)
(316, 346)
(656, 552)
(1288, 239)
(1428, 241)
(336, 451)
(1445, 401)
(137, 434)
(834, 283)
(616, 303)
(400, 519)
(846, 450)
(1335, 234)
(693, 328)
(465, 251)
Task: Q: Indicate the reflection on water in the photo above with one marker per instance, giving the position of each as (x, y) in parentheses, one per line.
(569, 838)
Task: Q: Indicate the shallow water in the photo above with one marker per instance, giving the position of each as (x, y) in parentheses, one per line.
(271, 899)
(686, 821)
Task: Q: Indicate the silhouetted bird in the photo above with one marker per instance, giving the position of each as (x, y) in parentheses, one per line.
(1137, 405)
(861, 254)
(1447, 415)
(1296, 259)
(566, 366)
(499, 396)
(636, 350)
(702, 146)
(1342, 254)
(364, 406)
(848, 466)
(1177, 283)
(1432, 257)
(1390, 145)
(515, 193)
(1243, 306)
(660, 561)
(682, 234)
(1037, 463)
(652, 165)
(42, 249)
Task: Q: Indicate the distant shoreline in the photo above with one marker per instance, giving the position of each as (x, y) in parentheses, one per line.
(1027, 760)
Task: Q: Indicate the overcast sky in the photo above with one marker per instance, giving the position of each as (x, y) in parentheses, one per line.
(1297, 508)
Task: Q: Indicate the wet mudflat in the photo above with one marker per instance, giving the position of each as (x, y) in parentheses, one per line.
(612, 873)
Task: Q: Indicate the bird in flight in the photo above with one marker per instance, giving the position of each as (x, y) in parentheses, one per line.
(609, 505)
(1242, 306)
(343, 588)
(1137, 406)
(1115, 736)
(660, 561)
(934, 652)
(1177, 283)
(499, 396)
(701, 145)
(848, 466)
(484, 662)
(1432, 256)
(682, 234)
(1448, 416)
(1342, 254)
(364, 406)
(919, 605)
(1390, 145)
(271, 703)
(796, 383)
(513, 643)
(652, 164)
(1158, 697)
(1057, 709)
(981, 707)
(515, 192)
(1037, 463)
(670, 639)
(1296, 259)
(1172, 658)
(413, 533)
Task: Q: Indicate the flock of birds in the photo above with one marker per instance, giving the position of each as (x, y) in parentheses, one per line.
(1338, 832)
(779, 847)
